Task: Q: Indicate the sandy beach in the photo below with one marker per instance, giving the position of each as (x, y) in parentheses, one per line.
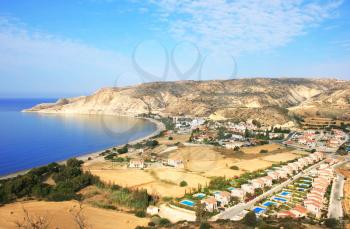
(95, 156)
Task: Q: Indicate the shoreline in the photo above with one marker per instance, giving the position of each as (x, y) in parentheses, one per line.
(96, 155)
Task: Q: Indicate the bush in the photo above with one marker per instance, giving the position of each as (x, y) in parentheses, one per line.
(152, 143)
(264, 151)
(331, 223)
(204, 225)
(183, 183)
(140, 214)
(234, 167)
(163, 222)
(123, 150)
(250, 219)
(170, 138)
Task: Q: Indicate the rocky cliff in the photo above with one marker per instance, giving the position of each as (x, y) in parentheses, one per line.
(271, 101)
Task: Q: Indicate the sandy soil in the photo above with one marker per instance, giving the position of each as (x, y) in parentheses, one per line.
(256, 149)
(280, 157)
(176, 138)
(60, 216)
(252, 165)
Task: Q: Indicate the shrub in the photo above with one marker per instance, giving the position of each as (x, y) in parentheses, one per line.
(163, 222)
(170, 138)
(204, 225)
(123, 150)
(331, 223)
(234, 167)
(152, 143)
(264, 151)
(140, 214)
(183, 183)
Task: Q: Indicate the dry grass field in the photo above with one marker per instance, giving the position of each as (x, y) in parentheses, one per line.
(200, 164)
(60, 215)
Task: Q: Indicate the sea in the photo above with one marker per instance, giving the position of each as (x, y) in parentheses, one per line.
(29, 140)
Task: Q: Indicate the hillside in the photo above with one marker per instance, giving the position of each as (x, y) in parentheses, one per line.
(267, 100)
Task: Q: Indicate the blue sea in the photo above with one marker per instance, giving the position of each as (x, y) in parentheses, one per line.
(30, 140)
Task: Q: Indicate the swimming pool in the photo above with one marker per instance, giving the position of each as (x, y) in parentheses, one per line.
(230, 188)
(307, 181)
(304, 185)
(187, 203)
(269, 203)
(285, 193)
(199, 195)
(301, 189)
(259, 210)
(280, 199)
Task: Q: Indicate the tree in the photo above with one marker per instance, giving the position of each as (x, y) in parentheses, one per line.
(234, 167)
(183, 183)
(236, 148)
(250, 219)
(201, 214)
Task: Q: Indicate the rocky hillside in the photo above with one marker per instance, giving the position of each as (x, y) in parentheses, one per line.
(267, 100)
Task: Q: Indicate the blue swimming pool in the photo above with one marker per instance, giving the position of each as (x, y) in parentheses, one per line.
(199, 195)
(259, 210)
(307, 181)
(285, 193)
(269, 203)
(187, 203)
(301, 189)
(230, 188)
(304, 185)
(280, 199)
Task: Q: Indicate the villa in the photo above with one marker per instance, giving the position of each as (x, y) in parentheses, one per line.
(282, 173)
(237, 192)
(314, 207)
(248, 188)
(137, 163)
(267, 180)
(299, 211)
(210, 204)
(258, 183)
(222, 197)
(175, 162)
(273, 174)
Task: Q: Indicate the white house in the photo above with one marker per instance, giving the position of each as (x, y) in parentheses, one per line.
(152, 210)
(210, 204)
(175, 162)
(248, 188)
(273, 174)
(258, 183)
(313, 207)
(267, 181)
(237, 192)
(137, 163)
(223, 197)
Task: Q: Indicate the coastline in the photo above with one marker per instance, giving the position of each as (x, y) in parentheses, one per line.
(96, 155)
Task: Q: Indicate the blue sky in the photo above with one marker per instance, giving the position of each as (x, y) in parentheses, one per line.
(69, 48)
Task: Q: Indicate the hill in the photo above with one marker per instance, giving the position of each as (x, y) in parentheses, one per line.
(269, 100)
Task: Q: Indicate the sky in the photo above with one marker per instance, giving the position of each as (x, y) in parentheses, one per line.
(74, 47)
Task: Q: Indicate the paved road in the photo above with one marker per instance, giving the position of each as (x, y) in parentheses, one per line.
(235, 210)
(335, 209)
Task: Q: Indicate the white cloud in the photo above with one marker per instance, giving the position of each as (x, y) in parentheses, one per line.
(31, 60)
(243, 25)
